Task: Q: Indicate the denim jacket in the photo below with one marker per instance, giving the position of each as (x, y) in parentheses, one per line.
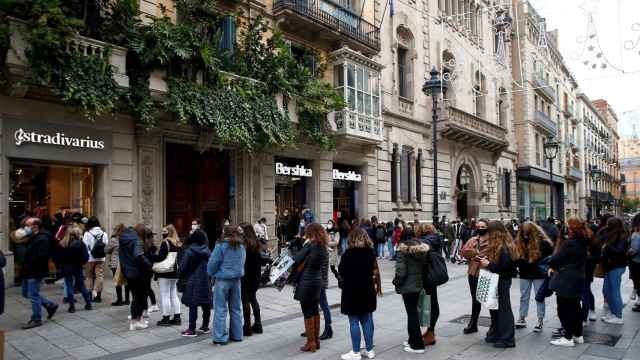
(226, 262)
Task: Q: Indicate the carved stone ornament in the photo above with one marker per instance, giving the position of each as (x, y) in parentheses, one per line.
(147, 189)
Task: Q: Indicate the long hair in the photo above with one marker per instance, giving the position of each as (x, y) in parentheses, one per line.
(359, 238)
(635, 223)
(72, 232)
(578, 230)
(145, 235)
(529, 250)
(317, 234)
(172, 235)
(615, 231)
(232, 234)
(251, 242)
(425, 229)
(117, 230)
(498, 239)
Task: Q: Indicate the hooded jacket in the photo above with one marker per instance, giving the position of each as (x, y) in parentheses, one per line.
(133, 264)
(410, 260)
(36, 258)
(193, 268)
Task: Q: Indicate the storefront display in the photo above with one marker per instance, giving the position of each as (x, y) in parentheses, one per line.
(346, 191)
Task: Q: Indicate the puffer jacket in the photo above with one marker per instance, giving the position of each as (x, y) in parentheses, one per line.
(133, 264)
(193, 268)
(311, 281)
(410, 260)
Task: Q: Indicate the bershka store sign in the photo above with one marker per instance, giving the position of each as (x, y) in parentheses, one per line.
(37, 140)
(297, 170)
(346, 176)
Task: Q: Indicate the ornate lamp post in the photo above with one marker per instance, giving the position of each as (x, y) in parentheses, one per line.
(550, 152)
(434, 86)
(596, 175)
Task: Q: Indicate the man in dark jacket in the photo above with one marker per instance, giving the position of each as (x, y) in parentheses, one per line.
(36, 268)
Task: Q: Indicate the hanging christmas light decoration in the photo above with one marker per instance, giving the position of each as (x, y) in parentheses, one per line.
(634, 44)
(592, 55)
(542, 38)
(502, 27)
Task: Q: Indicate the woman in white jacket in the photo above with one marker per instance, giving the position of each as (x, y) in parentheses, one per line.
(95, 239)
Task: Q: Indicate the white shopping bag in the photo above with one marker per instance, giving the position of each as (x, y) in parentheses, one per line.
(281, 267)
(487, 290)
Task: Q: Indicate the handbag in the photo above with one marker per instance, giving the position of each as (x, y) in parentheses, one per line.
(167, 265)
(435, 271)
(424, 308)
(487, 290)
(118, 277)
(544, 291)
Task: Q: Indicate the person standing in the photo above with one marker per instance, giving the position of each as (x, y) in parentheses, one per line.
(309, 262)
(499, 260)
(135, 268)
(567, 271)
(261, 231)
(410, 259)
(390, 230)
(429, 235)
(112, 252)
(251, 282)
(72, 255)
(35, 268)
(634, 259)
(380, 239)
(226, 267)
(96, 240)
(474, 249)
(197, 290)
(168, 281)
(358, 298)
(459, 231)
(532, 246)
(614, 263)
(344, 231)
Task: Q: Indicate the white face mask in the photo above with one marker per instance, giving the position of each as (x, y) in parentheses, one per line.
(329, 225)
(195, 226)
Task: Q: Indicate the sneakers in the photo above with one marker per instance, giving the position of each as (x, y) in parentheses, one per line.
(521, 323)
(559, 332)
(636, 308)
(204, 330)
(614, 320)
(351, 356)
(138, 325)
(413, 351)
(368, 354)
(592, 315)
(189, 333)
(51, 311)
(154, 308)
(563, 341)
(166, 321)
(578, 339)
(538, 328)
(32, 324)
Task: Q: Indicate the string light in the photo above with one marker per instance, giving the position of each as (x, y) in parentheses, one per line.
(634, 44)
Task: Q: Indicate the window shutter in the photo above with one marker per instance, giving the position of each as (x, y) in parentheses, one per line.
(228, 29)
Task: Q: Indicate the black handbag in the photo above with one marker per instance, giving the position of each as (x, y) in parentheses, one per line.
(544, 291)
(435, 271)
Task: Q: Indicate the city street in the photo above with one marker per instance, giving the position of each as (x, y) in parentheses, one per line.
(103, 333)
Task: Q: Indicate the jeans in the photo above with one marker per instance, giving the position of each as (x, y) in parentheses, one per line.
(435, 308)
(31, 289)
(588, 300)
(613, 279)
(193, 316)
(169, 301)
(324, 305)
(525, 292)
(78, 277)
(570, 316)
(94, 275)
(355, 322)
(392, 253)
(446, 249)
(227, 297)
(413, 322)
(380, 247)
(343, 244)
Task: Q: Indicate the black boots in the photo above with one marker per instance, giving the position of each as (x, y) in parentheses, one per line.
(247, 331)
(471, 328)
(72, 308)
(327, 333)
(176, 320)
(166, 321)
(257, 328)
(98, 297)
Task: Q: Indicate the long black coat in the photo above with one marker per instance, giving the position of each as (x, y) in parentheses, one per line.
(3, 263)
(358, 293)
(193, 268)
(310, 282)
(36, 258)
(73, 257)
(251, 279)
(569, 265)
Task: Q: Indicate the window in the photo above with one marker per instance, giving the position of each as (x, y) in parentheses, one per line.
(394, 174)
(419, 177)
(305, 57)
(227, 25)
(359, 86)
(537, 139)
(404, 73)
(505, 189)
(405, 171)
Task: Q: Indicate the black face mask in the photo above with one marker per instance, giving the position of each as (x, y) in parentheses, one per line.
(526, 238)
(164, 236)
(482, 232)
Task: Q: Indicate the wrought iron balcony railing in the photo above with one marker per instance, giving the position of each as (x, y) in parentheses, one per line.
(358, 126)
(543, 121)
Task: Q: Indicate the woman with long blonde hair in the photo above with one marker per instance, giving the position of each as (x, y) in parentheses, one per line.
(72, 254)
(500, 260)
(168, 281)
(531, 247)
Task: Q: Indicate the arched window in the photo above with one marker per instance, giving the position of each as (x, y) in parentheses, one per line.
(405, 62)
(480, 94)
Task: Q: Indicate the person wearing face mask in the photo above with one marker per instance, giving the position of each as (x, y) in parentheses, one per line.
(531, 246)
(168, 281)
(475, 248)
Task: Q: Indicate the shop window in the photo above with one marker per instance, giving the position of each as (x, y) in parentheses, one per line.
(405, 177)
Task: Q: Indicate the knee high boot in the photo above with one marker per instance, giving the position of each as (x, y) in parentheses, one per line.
(316, 330)
(310, 345)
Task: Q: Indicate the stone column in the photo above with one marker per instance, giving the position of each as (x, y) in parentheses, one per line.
(396, 165)
(150, 175)
(412, 178)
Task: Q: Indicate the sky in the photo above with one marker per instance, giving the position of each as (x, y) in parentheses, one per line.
(612, 39)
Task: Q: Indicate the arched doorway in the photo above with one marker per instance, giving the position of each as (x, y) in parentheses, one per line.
(466, 205)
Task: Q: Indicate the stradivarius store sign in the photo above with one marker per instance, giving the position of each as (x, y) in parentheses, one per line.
(56, 142)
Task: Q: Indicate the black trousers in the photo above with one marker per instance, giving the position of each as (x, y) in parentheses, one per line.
(634, 273)
(413, 322)
(310, 308)
(502, 323)
(151, 294)
(249, 303)
(475, 304)
(570, 315)
(435, 308)
(139, 288)
(193, 316)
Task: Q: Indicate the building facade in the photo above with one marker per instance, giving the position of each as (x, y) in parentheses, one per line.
(611, 183)
(630, 167)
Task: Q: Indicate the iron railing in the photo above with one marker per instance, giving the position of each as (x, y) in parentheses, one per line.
(546, 123)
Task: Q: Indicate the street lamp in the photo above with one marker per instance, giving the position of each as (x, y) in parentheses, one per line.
(550, 152)
(434, 86)
(596, 174)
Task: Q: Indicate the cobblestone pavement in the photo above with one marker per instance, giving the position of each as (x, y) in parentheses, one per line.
(103, 333)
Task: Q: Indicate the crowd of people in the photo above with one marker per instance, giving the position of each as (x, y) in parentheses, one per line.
(224, 275)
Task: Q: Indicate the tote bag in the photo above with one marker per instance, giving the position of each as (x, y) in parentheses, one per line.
(424, 308)
(487, 290)
(167, 265)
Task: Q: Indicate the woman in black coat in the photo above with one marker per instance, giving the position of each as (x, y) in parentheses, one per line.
(427, 234)
(251, 281)
(568, 280)
(136, 269)
(311, 259)
(197, 291)
(358, 300)
(71, 254)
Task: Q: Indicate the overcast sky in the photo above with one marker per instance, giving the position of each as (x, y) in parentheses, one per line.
(617, 40)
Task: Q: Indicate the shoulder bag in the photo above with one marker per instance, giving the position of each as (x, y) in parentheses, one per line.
(168, 264)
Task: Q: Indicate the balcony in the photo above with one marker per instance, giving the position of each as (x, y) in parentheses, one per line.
(542, 121)
(568, 111)
(573, 142)
(574, 173)
(544, 88)
(327, 21)
(18, 65)
(462, 127)
(360, 127)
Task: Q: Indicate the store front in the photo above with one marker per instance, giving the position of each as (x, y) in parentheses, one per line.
(347, 183)
(534, 195)
(294, 185)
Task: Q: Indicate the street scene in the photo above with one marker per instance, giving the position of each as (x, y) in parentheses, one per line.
(335, 179)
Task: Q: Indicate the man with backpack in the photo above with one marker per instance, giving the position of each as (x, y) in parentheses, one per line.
(96, 239)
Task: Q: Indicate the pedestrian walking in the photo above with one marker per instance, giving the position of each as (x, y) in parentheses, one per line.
(500, 260)
(309, 265)
(614, 264)
(35, 268)
(96, 240)
(344, 234)
(358, 270)
(136, 270)
(251, 282)
(226, 267)
(72, 254)
(390, 248)
(408, 281)
(113, 260)
(458, 230)
(380, 239)
(197, 290)
(167, 276)
(429, 235)
(474, 249)
(531, 247)
(567, 271)
(634, 259)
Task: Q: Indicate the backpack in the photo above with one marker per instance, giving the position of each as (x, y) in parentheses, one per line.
(380, 235)
(97, 251)
(435, 271)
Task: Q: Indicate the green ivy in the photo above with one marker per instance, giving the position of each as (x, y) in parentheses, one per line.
(317, 100)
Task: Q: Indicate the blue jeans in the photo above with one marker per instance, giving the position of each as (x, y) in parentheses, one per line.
(613, 280)
(78, 277)
(324, 305)
(366, 321)
(525, 292)
(343, 244)
(226, 295)
(380, 249)
(31, 289)
(392, 254)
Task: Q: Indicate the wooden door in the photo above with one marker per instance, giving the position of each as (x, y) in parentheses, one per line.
(179, 188)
